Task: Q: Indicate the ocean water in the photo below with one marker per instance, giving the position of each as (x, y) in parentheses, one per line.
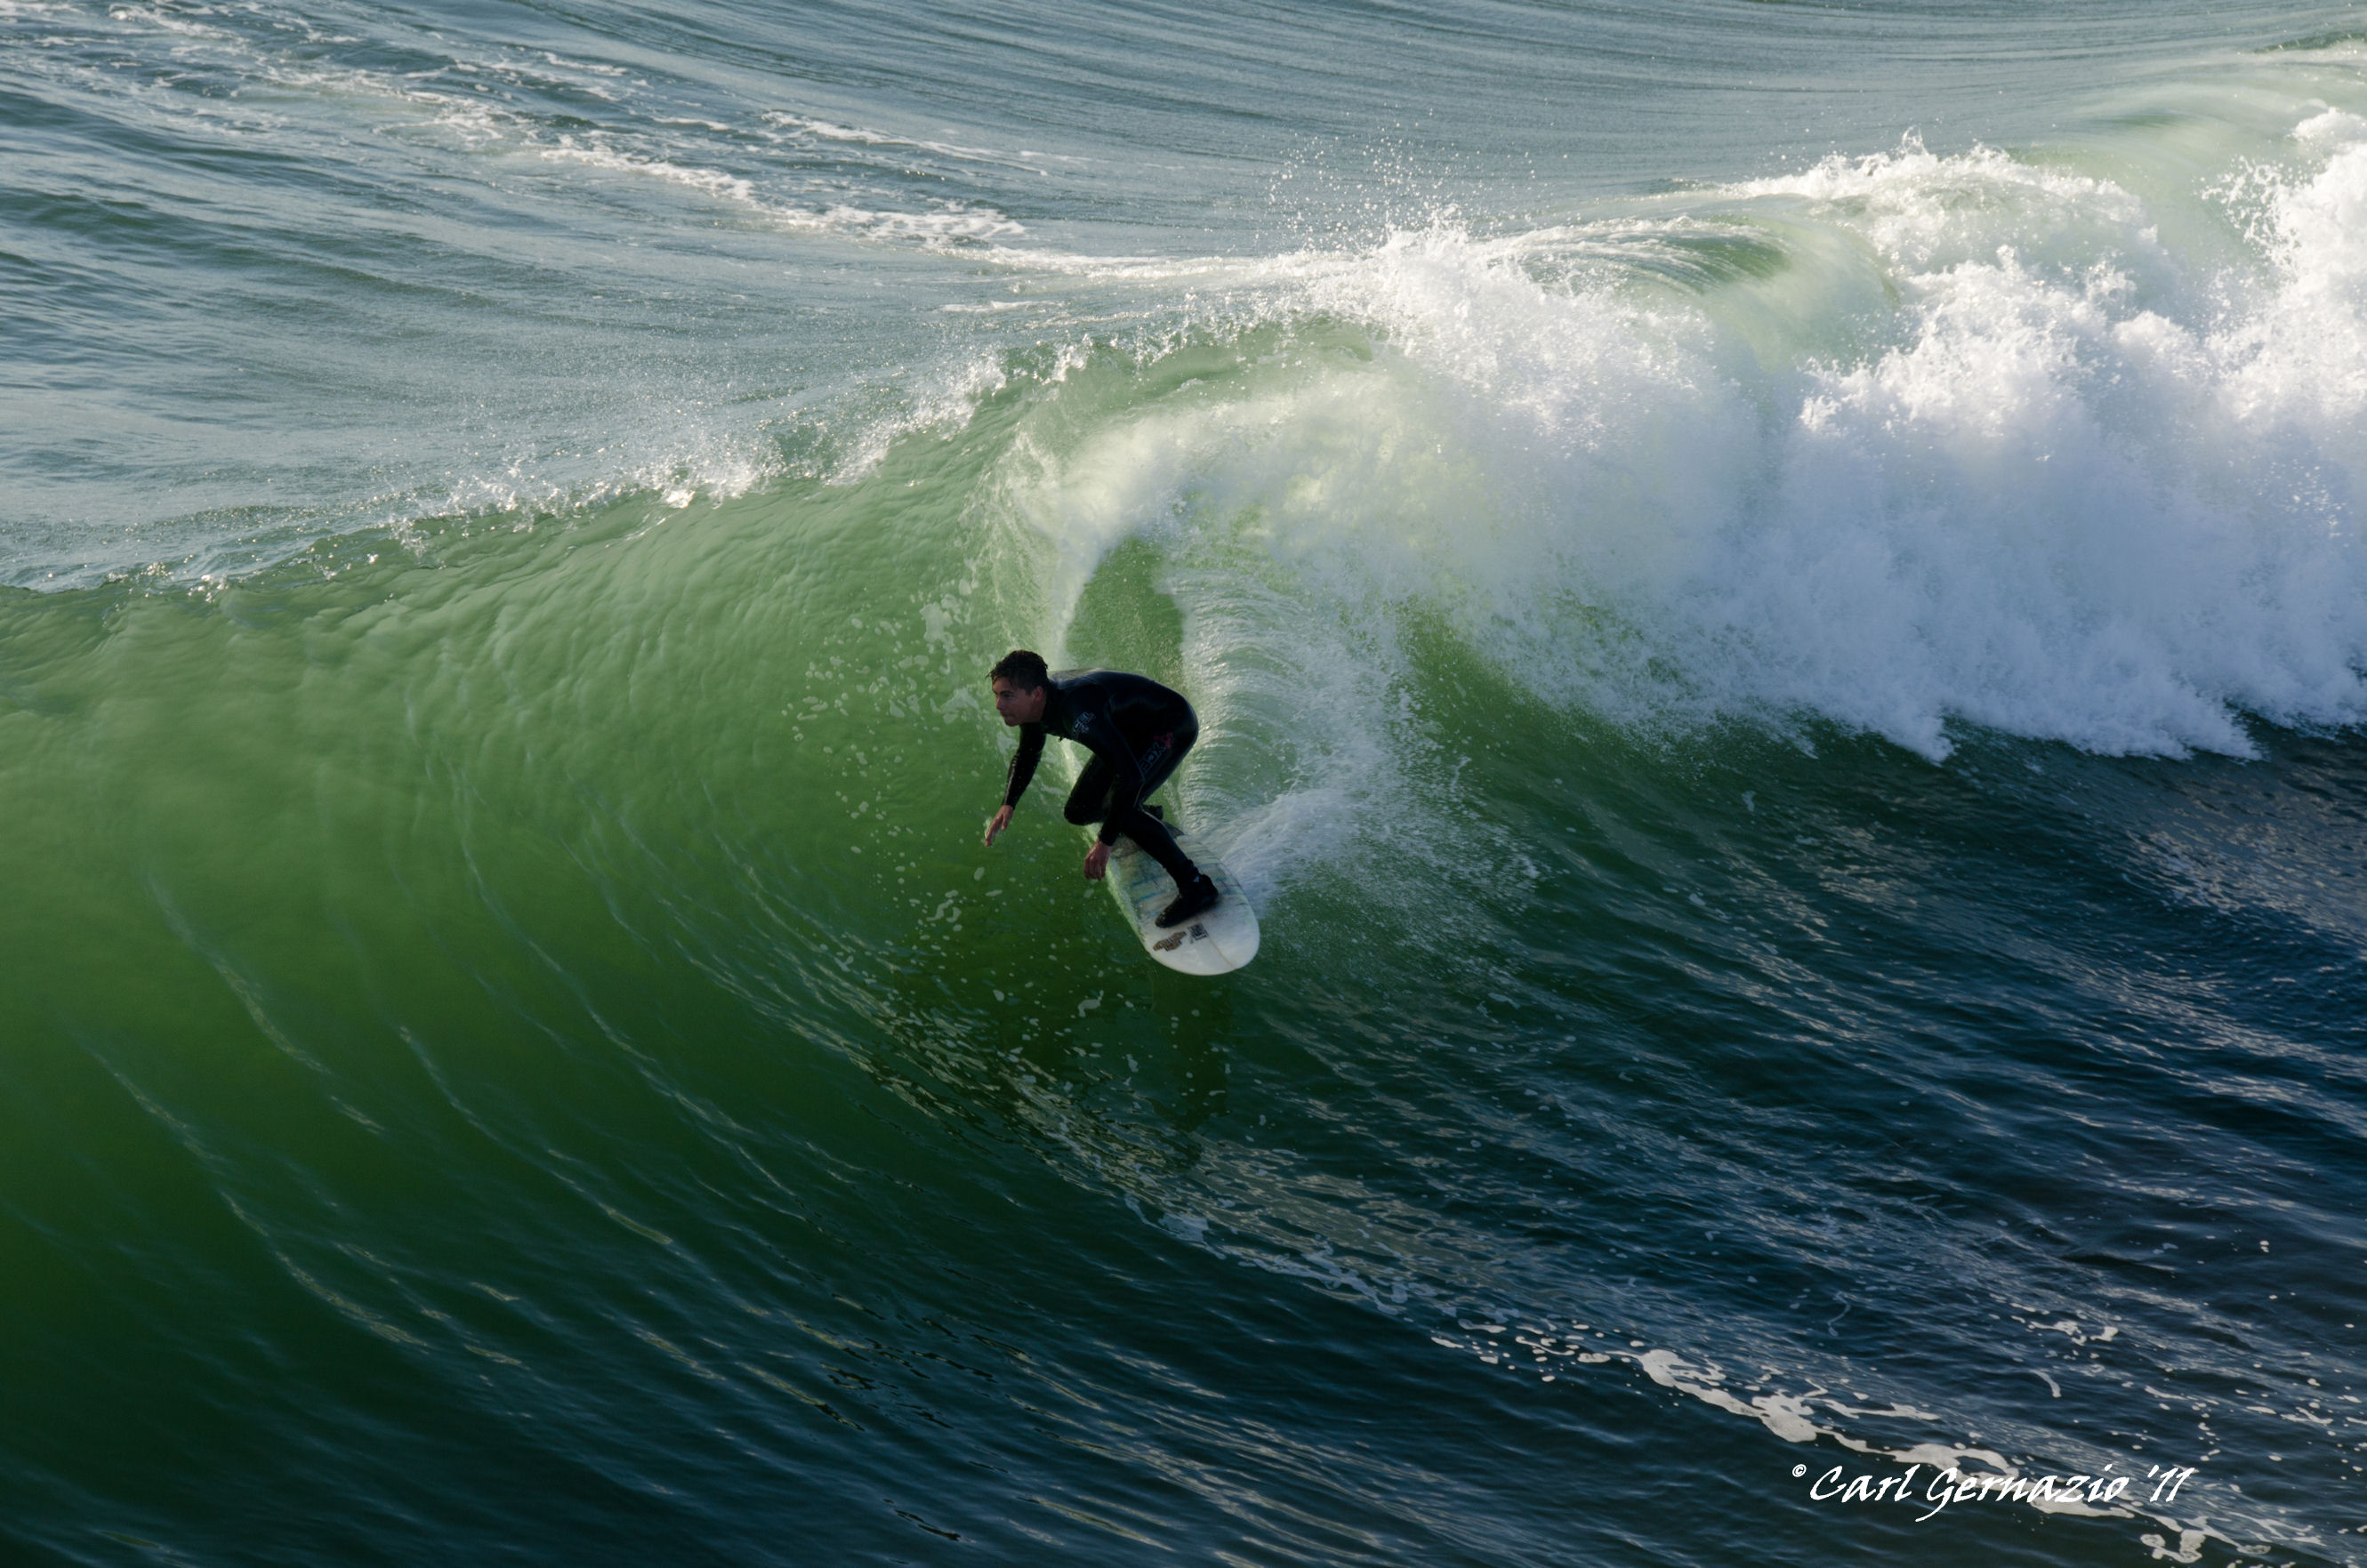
(1775, 600)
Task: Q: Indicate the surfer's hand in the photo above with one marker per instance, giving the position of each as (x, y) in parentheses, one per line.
(1096, 862)
(994, 828)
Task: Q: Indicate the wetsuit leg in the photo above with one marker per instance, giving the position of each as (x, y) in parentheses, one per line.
(1159, 755)
(1089, 802)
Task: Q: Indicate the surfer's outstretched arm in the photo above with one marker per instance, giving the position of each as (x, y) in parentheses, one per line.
(1023, 770)
(1022, 762)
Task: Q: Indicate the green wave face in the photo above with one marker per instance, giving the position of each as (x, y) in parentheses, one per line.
(531, 987)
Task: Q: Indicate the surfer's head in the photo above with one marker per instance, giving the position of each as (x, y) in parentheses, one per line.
(1019, 677)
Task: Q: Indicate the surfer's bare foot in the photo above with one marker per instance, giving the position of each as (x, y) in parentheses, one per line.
(1200, 895)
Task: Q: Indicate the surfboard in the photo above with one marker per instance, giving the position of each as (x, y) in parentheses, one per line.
(1215, 941)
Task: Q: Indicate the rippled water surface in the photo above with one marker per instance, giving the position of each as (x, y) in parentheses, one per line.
(1773, 598)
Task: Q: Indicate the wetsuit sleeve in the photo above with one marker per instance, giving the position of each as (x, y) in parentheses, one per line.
(1022, 762)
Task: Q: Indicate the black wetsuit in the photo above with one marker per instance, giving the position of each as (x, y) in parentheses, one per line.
(1137, 731)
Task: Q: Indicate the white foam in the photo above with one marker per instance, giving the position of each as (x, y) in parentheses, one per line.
(590, 67)
(951, 220)
(2064, 500)
(1919, 208)
(943, 403)
(713, 183)
(828, 132)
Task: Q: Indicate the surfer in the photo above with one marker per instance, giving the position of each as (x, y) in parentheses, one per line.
(1136, 729)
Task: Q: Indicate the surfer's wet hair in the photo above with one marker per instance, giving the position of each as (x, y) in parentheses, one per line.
(1024, 670)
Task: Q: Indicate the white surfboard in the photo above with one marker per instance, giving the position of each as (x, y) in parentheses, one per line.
(1215, 941)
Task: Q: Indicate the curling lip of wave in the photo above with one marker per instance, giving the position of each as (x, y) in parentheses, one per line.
(2018, 514)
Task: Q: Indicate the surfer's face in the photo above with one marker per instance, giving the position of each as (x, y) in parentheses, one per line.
(1017, 706)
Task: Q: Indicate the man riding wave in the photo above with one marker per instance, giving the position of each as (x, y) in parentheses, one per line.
(1137, 730)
